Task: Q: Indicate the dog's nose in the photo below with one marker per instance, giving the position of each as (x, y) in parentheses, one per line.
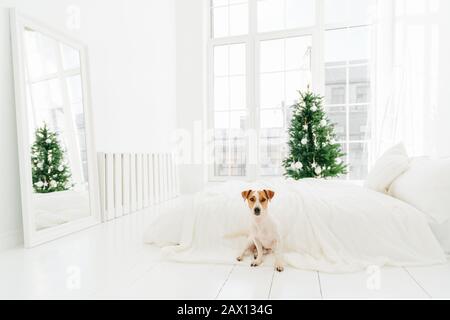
(257, 211)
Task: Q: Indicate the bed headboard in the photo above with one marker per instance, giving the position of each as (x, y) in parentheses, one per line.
(130, 182)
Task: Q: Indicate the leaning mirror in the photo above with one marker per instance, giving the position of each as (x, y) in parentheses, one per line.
(56, 152)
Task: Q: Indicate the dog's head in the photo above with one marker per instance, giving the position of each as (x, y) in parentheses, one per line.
(258, 201)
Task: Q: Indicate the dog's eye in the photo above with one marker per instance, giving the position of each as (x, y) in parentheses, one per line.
(252, 199)
(263, 200)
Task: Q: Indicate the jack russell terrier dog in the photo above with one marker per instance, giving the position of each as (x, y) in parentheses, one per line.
(264, 236)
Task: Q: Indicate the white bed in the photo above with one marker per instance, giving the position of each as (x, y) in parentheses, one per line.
(329, 226)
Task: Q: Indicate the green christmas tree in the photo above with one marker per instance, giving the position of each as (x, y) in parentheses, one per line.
(49, 170)
(314, 152)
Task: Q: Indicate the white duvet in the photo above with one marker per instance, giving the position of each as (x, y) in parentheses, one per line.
(329, 226)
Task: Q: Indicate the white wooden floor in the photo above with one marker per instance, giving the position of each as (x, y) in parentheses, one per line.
(110, 261)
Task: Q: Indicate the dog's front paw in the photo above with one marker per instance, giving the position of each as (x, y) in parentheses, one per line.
(255, 263)
(239, 258)
(279, 268)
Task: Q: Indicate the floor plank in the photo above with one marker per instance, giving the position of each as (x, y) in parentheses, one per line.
(175, 281)
(247, 282)
(388, 283)
(435, 280)
(294, 284)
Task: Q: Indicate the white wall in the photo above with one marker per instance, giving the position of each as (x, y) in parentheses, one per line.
(131, 47)
(442, 132)
(191, 67)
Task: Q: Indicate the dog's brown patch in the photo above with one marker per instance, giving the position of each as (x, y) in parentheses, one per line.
(246, 194)
(265, 196)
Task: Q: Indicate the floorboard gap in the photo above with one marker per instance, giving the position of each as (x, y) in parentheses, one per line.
(417, 282)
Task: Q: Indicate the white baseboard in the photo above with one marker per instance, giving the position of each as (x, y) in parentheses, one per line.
(10, 239)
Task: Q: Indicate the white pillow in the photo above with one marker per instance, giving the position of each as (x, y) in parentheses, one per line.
(391, 164)
(426, 186)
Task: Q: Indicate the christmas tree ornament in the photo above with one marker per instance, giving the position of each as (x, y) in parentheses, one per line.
(310, 153)
(318, 170)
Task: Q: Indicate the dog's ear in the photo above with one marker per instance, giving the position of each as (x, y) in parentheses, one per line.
(269, 194)
(246, 194)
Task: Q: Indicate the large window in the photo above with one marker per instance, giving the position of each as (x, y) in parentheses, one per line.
(262, 53)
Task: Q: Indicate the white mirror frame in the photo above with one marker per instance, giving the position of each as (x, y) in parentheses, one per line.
(32, 237)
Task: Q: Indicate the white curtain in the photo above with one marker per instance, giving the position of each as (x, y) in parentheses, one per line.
(410, 44)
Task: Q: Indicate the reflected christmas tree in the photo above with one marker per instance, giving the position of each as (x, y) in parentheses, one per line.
(49, 169)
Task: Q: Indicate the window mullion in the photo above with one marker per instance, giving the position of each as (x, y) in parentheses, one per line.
(347, 109)
(252, 60)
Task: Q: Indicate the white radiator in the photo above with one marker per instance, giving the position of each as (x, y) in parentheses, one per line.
(130, 182)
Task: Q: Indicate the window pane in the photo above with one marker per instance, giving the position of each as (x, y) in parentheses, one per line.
(70, 57)
(358, 161)
(359, 127)
(229, 105)
(229, 18)
(237, 59)
(285, 14)
(300, 13)
(237, 119)
(285, 69)
(221, 120)
(336, 46)
(238, 19)
(237, 92)
(273, 150)
(237, 156)
(349, 12)
(358, 45)
(75, 89)
(48, 105)
(47, 95)
(298, 53)
(272, 119)
(336, 11)
(359, 82)
(220, 153)
(216, 3)
(220, 60)
(335, 85)
(272, 91)
(221, 93)
(41, 54)
(229, 153)
(220, 22)
(347, 45)
(229, 80)
(338, 116)
(272, 55)
(270, 15)
(295, 81)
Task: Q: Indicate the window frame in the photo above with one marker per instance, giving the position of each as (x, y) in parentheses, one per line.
(252, 41)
